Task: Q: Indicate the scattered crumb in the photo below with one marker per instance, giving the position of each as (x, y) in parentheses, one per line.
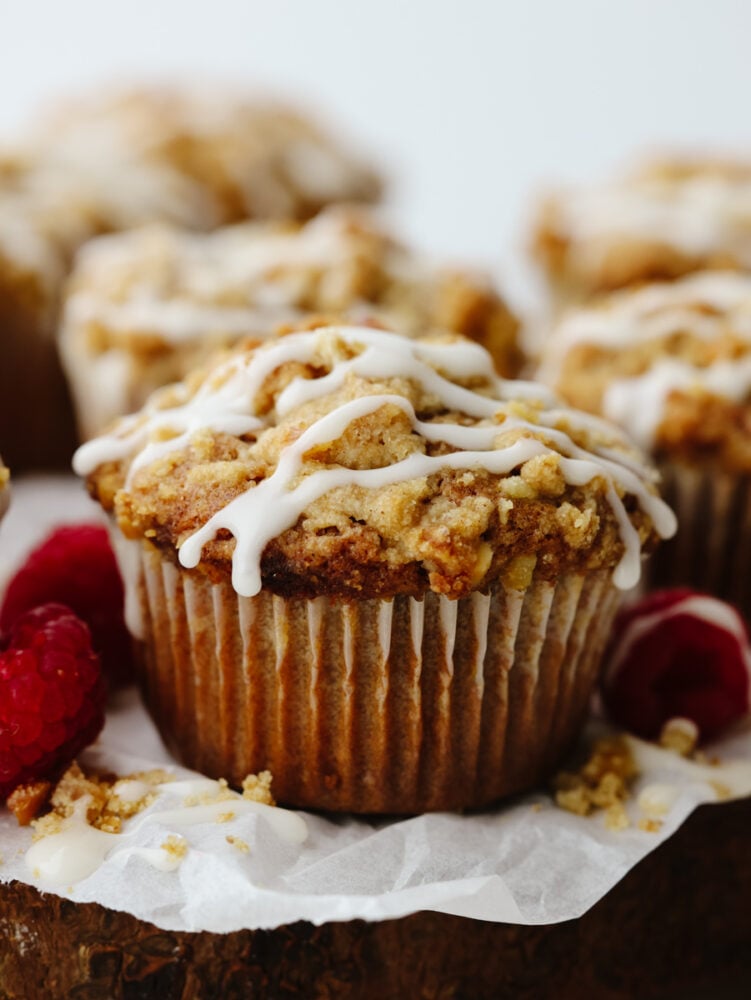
(176, 847)
(27, 801)
(722, 790)
(223, 793)
(225, 817)
(238, 842)
(106, 809)
(257, 788)
(616, 817)
(679, 735)
(657, 799)
(536, 807)
(650, 825)
(602, 782)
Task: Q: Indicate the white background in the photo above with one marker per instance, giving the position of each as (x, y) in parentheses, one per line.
(471, 105)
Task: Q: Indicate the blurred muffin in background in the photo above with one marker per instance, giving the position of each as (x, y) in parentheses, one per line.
(144, 307)
(671, 364)
(197, 159)
(668, 218)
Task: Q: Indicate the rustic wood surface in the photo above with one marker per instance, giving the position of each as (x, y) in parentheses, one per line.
(679, 925)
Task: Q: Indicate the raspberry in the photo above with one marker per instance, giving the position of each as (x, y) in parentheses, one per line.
(75, 566)
(52, 695)
(678, 653)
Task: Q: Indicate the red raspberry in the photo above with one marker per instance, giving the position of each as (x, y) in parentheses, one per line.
(52, 695)
(75, 566)
(678, 653)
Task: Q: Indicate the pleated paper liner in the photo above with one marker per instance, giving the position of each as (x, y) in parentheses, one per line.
(712, 549)
(372, 706)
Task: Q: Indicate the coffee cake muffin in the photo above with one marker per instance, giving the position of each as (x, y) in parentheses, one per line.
(367, 564)
(671, 363)
(145, 307)
(668, 218)
(197, 160)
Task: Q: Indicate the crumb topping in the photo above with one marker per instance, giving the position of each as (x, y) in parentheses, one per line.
(668, 218)
(167, 297)
(378, 465)
(195, 157)
(671, 363)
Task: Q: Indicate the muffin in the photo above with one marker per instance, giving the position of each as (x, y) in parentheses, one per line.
(666, 219)
(145, 307)
(123, 160)
(366, 563)
(671, 363)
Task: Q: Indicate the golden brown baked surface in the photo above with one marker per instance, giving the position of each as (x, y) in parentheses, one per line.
(670, 362)
(665, 219)
(199, 157)
(168, 298)
(452, 531)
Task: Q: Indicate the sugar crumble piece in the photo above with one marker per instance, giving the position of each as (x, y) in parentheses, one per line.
(679, 735)
(257, 788)
(649, 825)
(238, 842)
(657, 799)
(176, 847)
(222, 793)
(226, 817)
(616, 817)
(602, 782)
(27, 801)
(721, 790)
(111, 799)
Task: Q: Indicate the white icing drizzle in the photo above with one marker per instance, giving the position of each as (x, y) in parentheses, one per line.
(73, 853)
(240, 280)
(698, 214)
(226, 400)
(652, 314)
(78, 849)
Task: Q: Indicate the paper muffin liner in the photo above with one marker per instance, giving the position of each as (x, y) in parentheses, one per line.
(712, 549)
(371, 706)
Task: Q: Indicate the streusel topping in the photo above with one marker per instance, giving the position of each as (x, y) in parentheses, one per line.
(357, 461)
(161, 288)
(662, 220)
(671, 363)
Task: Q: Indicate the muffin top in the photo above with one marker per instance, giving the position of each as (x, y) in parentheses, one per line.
(195, 158)
(359, 462)
(157, 287)
(670, 362)
(658, 222)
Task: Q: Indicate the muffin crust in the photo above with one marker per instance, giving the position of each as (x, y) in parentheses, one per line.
(453, 522)
(671, 363)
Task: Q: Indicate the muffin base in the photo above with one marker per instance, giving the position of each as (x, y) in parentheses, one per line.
(712, 549)
(373, 706)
